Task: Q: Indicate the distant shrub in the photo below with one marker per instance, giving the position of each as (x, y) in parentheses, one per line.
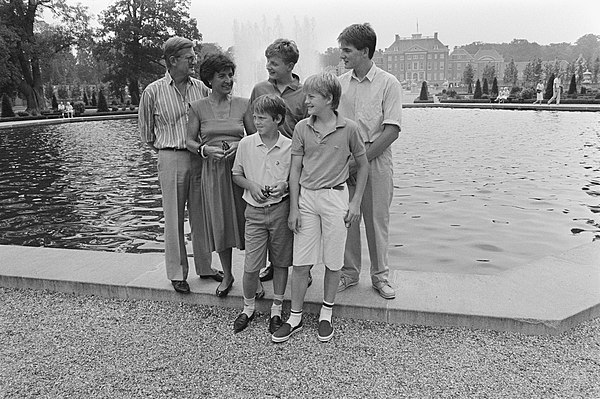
(85, 99)
(7, 109)
(485, 88)
(549, 87)
(23, 113)
(583, 90)
(79, 107)
(54, 102)
(94, 101)
(494, 92)
(572, 86)
(527, 94)
(515, 90)
(478, 93)
(135, 100)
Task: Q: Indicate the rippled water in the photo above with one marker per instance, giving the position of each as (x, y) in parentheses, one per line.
(477, 191)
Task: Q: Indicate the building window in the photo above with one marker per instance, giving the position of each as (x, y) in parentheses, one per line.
(441, 65)
(415, 65)
(442, 56)
(421, 65)
(422, 75)
(408, 57)
(436, 56)
(408, 65)
(428, 56)
(429, 66)
(422, 56)
(395, 58)
(401, 58)
(402, 66)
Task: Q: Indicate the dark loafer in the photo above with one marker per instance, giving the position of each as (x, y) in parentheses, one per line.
(181, 286)
(223, 293)
(217, 276)
(274, 324)
(241, 322)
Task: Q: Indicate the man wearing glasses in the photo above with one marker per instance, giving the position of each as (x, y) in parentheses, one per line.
(162, 118)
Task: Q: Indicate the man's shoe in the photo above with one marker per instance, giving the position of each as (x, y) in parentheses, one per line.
(217, 276)
(345, 283)
(385, 290)
(181, 286)
(325, 331)
(266, 274)
(275, 323)
(241, 322)
(284, 332)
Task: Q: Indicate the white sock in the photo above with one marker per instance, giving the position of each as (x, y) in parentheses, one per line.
(326, 311)
(277, 305)
(295, 318)
(249, 306)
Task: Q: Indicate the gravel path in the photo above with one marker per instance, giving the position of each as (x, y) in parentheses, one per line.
(55, 345)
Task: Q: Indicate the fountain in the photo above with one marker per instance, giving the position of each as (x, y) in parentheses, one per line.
(252, 38)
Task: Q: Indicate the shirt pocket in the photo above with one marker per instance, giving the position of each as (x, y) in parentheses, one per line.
(281, 168)
(372, 110)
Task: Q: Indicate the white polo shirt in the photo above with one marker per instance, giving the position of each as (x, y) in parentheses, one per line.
(262, 165)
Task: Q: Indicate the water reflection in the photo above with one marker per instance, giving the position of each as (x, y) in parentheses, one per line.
(476, 191)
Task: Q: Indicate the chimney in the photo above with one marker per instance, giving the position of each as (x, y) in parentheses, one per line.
(397, 37)
(435, 35)
(416, 35)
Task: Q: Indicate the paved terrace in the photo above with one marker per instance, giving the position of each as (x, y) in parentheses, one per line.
(547, 296)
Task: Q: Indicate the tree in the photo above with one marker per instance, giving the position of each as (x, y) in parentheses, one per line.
(85, 99)
(596, 70)
(485, 88)
(331, 57)
(477, 93)
(489, 72)
(132, 35)
(54, 102)
(494, 92)
(580, 66)
(423, 95)
(588, 46)
(468, 74)
(7, 110)
(572, 85)
(94, 101)
(31, 44)
(511, 73)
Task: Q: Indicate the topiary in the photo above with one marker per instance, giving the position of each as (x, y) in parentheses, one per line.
(572, 86)
(494, 92)
(549, 87)
(102, 104)
(54, 103)
(85, 99)
(485, 89)
(424, 95)
(7, 109)
(94, 101)
(478, 93)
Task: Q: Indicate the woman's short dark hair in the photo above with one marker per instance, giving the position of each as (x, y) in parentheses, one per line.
(214, 63)
(360, 36)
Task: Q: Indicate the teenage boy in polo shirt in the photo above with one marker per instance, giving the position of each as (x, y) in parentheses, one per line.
(320, 211)
(372, 98)
(163, 125)
(282, 56)
(261, 168)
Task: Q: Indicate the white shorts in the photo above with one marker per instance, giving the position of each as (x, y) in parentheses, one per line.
(322, 235)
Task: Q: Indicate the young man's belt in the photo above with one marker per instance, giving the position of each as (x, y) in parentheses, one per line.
(172, 149)
(338, 187)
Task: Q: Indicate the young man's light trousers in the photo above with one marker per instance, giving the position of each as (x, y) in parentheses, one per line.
(375, 208)
(179, 175)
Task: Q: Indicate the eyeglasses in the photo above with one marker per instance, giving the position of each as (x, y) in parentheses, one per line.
(191, 59)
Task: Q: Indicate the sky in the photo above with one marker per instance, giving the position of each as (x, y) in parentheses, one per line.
(457, 22)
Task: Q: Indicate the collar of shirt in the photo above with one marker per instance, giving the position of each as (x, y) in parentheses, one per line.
(340, 122)
(278, 143)
(294, 85)
(370, 75)
(190, 81)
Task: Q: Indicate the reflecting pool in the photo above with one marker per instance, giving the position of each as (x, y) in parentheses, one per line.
(476, 191)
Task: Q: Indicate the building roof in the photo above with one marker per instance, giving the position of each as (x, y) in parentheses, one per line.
(488, 55)
(416, 43)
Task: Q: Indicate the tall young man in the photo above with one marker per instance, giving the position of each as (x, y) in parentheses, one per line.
(373, 99)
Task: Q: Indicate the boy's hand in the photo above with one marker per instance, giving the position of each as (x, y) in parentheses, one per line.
(294, 222)
(278, 189)
(352, 215)
(257, 193)
(230, 149)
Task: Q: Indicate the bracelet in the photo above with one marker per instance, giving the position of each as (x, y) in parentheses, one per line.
(201, 151)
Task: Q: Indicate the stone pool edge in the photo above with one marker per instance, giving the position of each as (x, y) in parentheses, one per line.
(548, 296)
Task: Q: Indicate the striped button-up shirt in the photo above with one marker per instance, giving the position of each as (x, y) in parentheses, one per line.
(163, 111)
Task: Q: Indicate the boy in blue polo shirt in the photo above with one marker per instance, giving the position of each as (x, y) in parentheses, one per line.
(261, 168)
(320, 211)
